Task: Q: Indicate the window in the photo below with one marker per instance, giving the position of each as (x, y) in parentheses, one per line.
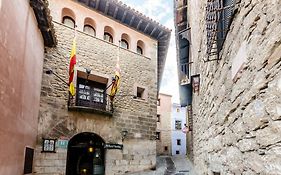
(178, 141)
(140, 92)
(68, 21)
(49, 145)
(91, 94)
(178, 110)
(108, 37)
(178, 125)
(124, 44)
(216, 173)
(166, 148)
(28, 160)
(158, 118)
(158, 102)
(177, 152)
(139, 50)
(140, 47)
(222, 11)
(157, 135)
(89, 30)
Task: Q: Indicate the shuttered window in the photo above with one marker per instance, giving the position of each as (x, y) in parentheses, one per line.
(218, 20)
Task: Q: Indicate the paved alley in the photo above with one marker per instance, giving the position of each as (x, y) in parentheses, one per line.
(170, 165)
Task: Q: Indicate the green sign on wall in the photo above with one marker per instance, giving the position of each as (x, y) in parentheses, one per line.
(62, 144)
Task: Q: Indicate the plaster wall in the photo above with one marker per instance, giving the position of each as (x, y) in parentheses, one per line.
(178, 113)
(164, 126)
(21, 63)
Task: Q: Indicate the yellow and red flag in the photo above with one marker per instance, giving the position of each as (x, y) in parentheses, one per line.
(71, 67)
(116, 82)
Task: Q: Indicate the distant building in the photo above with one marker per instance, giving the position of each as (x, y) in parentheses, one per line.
(184, 62)
(25, 32)
(178, 123)
(163, 131)
(87, 133)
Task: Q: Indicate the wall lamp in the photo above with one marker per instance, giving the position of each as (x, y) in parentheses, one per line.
(124, 134)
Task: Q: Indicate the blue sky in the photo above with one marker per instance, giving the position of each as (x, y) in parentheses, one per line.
(162, 12)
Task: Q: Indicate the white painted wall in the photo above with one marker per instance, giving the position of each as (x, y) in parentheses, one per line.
(178, 134)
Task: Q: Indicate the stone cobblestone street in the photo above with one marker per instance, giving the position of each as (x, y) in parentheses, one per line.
(170, 165)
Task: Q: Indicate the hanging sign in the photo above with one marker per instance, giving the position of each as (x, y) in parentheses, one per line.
(113, 146)
(185, 129)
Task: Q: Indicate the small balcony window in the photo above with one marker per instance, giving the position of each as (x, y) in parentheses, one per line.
(139, 50)
(124, 44)
(108, 37)
(89, 30)
(178, 141)
(68, 21)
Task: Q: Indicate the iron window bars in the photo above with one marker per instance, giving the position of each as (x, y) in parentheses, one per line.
(219, 15)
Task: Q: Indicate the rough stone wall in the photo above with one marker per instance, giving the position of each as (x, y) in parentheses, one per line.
(164, 126)
(237, 124)
(138, 117)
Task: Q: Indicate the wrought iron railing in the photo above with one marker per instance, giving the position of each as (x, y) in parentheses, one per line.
(104, 107)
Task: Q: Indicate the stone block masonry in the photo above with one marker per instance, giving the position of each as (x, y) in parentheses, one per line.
(138, 117)
(237, 123)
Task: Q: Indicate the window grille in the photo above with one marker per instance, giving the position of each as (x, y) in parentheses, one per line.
(218, 20)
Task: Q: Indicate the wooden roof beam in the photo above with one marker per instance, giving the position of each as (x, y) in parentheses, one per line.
(124, 16)
(138, 26)
(97, 4)
(132, 20)
(159, 34)
(146, 27)
(154, 29)
(115, 12)
(106, 7)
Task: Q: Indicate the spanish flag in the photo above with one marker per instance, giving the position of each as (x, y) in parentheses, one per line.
(71, 67)
(116, 81)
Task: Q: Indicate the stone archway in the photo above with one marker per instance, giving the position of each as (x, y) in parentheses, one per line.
(85, 155)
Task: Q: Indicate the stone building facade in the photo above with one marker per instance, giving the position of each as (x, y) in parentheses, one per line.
(22, 52)
(236, 108)
(117, 137)
(164, 128)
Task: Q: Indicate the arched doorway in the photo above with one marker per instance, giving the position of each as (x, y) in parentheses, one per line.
(85, 155)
